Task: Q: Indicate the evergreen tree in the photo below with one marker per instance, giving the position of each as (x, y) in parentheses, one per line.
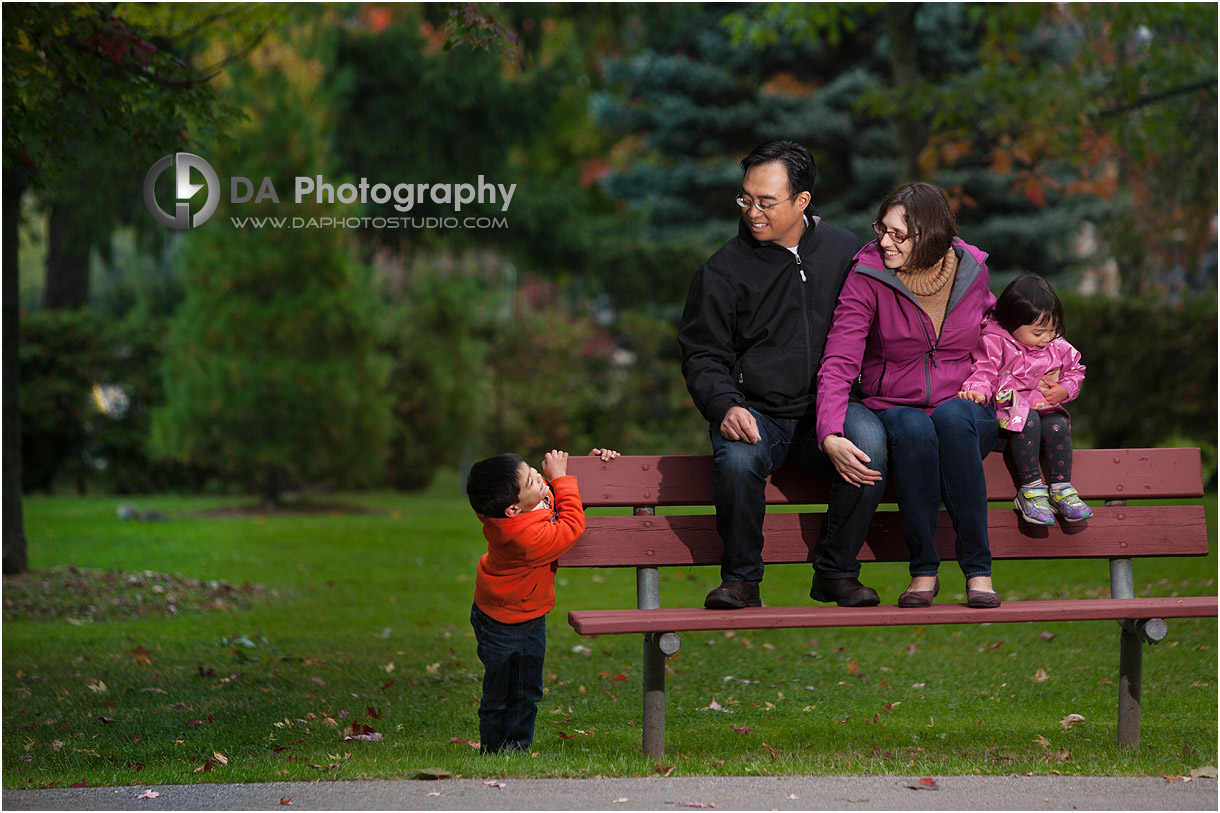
(272, 374)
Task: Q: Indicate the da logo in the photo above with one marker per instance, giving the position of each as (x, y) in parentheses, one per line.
(184, 190)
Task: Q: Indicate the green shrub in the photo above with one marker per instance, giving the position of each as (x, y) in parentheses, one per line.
(1151, 371)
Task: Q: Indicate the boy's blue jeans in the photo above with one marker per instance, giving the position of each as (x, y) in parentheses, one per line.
(512, 656)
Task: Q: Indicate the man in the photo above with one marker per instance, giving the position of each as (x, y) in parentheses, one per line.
(752, 335)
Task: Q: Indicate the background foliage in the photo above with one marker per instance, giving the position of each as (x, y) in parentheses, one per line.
(286, 359)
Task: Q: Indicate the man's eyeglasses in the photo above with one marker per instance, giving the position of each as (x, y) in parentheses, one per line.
(744, 203)
(898, 237)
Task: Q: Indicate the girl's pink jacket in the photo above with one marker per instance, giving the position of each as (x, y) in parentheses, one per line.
(1007, 373)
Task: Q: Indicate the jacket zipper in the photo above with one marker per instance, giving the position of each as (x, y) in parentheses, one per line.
(809, 371)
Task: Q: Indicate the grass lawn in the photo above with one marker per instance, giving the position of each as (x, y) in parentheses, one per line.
(290, 632)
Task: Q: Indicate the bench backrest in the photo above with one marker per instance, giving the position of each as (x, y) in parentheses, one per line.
(691, 539)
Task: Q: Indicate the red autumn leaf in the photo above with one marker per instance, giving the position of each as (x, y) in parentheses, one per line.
(81, 784)
(385, 686)
(565, 736)
(285, 800)
(619, 678)
(745, 729)
(929, 781)
(372, 712)
(853, 668)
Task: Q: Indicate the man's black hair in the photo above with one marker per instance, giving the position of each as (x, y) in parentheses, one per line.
(802, 171)
(1027, 300)
(493, 484)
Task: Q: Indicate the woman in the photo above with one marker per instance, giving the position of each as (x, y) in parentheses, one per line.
(909, 314)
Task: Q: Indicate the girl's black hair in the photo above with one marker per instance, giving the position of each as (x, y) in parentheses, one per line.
(1027, 300)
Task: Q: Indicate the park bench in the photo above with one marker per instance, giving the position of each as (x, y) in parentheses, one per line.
(1118, 533)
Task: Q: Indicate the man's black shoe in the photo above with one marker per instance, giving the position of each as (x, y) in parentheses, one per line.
(844, 592)
(731, 595)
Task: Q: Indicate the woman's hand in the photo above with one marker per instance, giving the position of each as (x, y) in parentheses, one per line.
(849, 461)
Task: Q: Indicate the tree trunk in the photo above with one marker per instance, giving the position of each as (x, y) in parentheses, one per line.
(271, 487)
(909, 123)
(67, 280)
(15, 560)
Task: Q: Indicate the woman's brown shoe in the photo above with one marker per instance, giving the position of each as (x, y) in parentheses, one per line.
(982, 599)
(919, 598)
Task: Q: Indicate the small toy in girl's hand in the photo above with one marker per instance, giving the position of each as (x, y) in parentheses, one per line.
(1024, 342)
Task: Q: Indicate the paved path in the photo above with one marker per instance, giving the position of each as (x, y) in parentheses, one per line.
(650, 793)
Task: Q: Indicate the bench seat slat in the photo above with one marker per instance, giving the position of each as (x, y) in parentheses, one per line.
(1099, 474)
(609, 622)
(1119, 531)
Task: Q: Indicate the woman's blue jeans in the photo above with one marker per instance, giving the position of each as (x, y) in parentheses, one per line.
(512, 656)
(932, 458)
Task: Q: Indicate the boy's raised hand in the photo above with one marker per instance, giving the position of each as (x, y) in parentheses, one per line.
(555, 464)
(605, 454)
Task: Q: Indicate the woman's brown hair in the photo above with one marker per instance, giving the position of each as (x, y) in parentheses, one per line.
(930, 221)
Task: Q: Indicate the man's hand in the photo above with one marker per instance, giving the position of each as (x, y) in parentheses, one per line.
(739, 424)
(973, 395)
(605, 454)
(555, 464)
(849, 461)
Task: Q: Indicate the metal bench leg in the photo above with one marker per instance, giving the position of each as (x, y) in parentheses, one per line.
(648, 597)
(1130, 660)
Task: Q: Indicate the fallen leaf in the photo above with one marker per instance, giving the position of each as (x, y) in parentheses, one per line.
(663, 770)
(1043, 741)
(96, 685)
(285, 800)
(1208, 771)
(57, 744)
(620, 800)
(889, 706)
(387, 685)
(495, 783)
(792, 797)
(1071, 720)
(619, 678)
(221, 758)
(853, 668)
(923, 783)
(434, 793)
(1047, 636)
(1040, 676)
(713, 706)
(698, 804)
(745, 729)
(433, 773)
(148, 794)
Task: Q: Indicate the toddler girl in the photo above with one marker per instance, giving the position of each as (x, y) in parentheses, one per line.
(1024, 365)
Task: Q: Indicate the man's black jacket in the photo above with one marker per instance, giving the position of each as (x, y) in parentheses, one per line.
(756, 319)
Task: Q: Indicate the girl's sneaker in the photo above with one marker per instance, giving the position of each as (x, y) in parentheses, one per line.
(1034, 504)
(1067, 504)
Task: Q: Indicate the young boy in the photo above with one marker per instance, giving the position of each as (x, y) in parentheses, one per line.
(528, 526)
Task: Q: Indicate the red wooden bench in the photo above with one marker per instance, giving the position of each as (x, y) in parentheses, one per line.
(1118, 532)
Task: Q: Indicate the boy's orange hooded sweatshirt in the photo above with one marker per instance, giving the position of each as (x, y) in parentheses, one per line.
(516, 577)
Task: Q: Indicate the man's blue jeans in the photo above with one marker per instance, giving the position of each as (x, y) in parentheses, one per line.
(512, 656)
(932, 459)
(739, 473)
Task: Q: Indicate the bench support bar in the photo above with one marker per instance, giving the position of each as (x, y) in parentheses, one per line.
(1130, 660)
(648, 597)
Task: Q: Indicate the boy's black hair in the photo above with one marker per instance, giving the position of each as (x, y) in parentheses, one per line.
(796, 160)
(494, 484)
(1026, 301)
